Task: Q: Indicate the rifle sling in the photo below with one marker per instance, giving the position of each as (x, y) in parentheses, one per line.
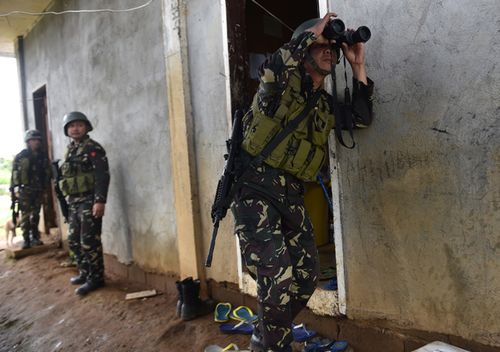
(290, 127)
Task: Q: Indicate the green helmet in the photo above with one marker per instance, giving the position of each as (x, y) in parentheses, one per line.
(301, 29)
(75, 116)
(303, 26)
(32, 134)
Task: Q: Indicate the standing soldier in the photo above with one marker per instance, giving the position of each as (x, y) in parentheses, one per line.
(274, 229)
(30, 179)
(85, 181)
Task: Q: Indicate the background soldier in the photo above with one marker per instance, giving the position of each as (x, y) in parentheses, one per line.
(275, 233)
(30, 179)
(85, 182)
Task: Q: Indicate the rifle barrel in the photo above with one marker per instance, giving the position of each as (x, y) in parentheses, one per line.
(208, 263)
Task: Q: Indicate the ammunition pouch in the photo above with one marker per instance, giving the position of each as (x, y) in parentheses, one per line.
(302, 152)
(77, 177)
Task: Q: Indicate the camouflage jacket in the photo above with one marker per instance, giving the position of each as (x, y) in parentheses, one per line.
(30, 170)
(90, 152)
(275, 72)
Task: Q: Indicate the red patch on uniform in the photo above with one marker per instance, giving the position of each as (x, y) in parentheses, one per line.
(93, 154)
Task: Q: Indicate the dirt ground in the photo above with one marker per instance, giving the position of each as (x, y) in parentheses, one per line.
(40, 312)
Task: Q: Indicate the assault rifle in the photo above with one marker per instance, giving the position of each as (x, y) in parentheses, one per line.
(14, 206)
(60, 196)
(225, 187)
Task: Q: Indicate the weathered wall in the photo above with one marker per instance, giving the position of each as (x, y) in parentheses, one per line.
(209, 108)
(110, 66)
(421, 192)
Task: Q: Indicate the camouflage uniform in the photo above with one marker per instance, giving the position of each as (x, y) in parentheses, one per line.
(31, 175)
(84, 237)
(274, 230)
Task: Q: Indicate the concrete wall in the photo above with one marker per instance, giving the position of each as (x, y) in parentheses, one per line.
(110, 66)
(421, 192)
(209, 98)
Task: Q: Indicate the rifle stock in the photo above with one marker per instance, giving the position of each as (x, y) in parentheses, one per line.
(225, 187)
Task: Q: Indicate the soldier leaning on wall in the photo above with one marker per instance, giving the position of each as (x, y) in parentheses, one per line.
(85, 181)
(274, 229)
(30, 179)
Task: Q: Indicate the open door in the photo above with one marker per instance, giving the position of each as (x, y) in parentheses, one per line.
(41, 124)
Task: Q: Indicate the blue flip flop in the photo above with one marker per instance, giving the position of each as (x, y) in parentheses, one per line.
(333, 346)
(216, 348)
(221, 313)
(243, 313)
(301, 334)
(338, 346)
(240, 328)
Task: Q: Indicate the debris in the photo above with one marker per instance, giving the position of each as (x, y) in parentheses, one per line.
(140, 294)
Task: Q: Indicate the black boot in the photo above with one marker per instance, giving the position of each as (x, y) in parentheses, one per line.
(79, 280)
(256, 344)
(192, 305)
(35, 238)
(36, 242)
(27, 242)
(89, 286)
(180, 299)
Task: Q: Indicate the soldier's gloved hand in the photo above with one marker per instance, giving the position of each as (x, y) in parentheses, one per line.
(98, 210)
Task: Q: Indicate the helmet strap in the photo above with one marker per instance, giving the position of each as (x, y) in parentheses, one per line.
(315, 66)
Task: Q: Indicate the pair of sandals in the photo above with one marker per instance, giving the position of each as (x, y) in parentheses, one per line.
(333, 346)
(224, 312)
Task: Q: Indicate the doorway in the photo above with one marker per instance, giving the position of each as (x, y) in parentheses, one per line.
(256, 29)
(41, 124)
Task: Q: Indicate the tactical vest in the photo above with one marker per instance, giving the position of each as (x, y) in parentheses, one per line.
(77, 173)
(302, 152)
(21, 174)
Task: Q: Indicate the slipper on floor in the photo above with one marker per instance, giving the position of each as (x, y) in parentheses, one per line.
(301, 334)
(333, 346)
(243, 313)
(240, 328)
(332, 285)
(338, 346)
(215, 348)
(221, 313)
(327, 273)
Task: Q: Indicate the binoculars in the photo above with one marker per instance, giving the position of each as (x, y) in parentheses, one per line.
(335, 29)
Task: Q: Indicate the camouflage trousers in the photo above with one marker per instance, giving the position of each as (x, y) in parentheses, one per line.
(278, 249)
(30, 203)
(84, 239)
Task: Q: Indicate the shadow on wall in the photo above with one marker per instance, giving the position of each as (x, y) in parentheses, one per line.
(121, 236)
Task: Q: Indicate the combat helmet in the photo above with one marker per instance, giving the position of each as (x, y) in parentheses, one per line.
(32, 134)
(75, 116)
(301, 29)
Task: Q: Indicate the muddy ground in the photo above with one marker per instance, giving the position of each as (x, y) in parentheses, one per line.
(40, 312)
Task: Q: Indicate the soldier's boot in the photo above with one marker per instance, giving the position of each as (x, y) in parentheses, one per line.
(256, 344)
(80, 279)
(27, 242)
(180, 299)
(35, 238)
(88, 287)
(192, 306)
